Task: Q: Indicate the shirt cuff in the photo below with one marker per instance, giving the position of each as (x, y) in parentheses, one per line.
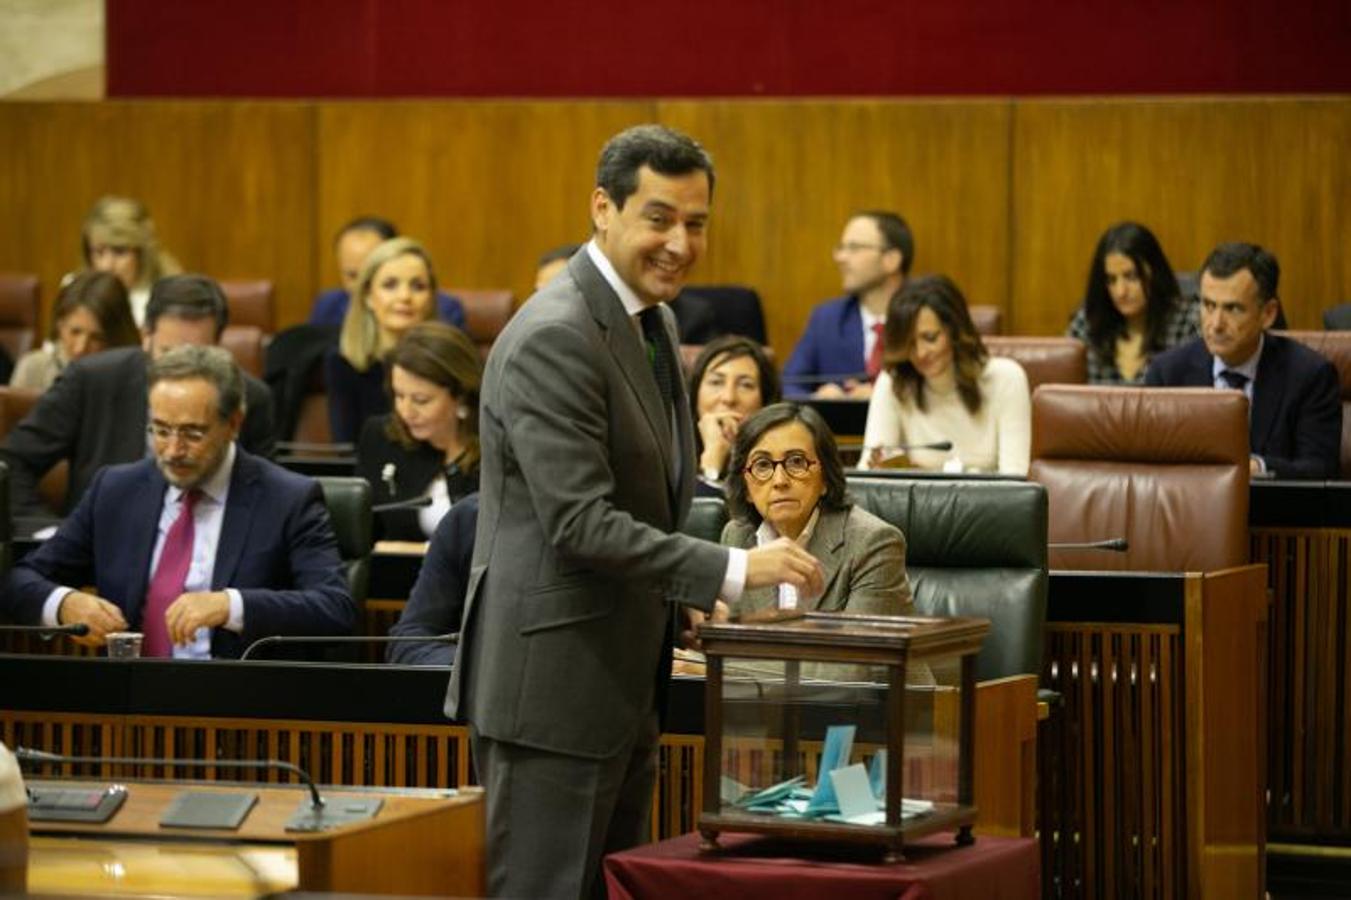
(235, 622)
(52, 605)
(1261, 463)
(734, 582)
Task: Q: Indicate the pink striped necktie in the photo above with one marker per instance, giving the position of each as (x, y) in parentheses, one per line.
(875, 357)
(166, 585)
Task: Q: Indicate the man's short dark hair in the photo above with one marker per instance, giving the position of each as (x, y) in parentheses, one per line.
(187, 297)
(213, 365)
(1230, 259)
(895, 234)
(374, 224)
(663, 150)
(566, 251)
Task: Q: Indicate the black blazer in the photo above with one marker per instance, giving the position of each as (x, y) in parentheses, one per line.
(95, 415)
(410, 472)
(437, 601)
(1296, 419)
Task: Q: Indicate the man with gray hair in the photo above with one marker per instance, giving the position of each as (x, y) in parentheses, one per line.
(201, 546)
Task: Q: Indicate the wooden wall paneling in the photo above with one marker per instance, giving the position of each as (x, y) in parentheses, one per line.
(487, 186)
(791, 172)
(1197, 172)
(228, 183)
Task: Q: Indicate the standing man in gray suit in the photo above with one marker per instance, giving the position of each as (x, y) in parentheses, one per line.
(587, 473)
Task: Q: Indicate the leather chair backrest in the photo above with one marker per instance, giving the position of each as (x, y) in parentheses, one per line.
(19, 295)
(15, 403)
(1164, 468)
(1046, 360)
(349, 507)
(245, 343)
(737, 307)
(987, 319)
(974, 548)
(486, 313)
(1336, 346)
(250, 302)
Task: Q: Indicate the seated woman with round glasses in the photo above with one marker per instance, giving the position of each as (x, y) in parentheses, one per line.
(788, 481)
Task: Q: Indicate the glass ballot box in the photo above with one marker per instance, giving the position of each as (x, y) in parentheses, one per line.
(830, 727)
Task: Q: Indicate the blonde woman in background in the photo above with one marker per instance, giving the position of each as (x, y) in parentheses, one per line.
(119, 236)
(91, 314)
(395, 291)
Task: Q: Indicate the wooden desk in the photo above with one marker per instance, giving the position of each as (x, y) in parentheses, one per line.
(423, 845)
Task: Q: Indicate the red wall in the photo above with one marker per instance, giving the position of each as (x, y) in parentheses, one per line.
(640, 48)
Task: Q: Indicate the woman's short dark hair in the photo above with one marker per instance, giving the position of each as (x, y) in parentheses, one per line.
(445, 356)
(939, 294)
(104, 295)
(1105, 322)
(725, 349)
(756, 427)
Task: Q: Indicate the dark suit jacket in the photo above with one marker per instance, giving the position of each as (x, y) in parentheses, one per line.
(830, 348)
(437, 602)
(330, 308)
(276, 548)
(1296, 418)
(353, 397)
(95, 415)
(413, 471)
(566, 636)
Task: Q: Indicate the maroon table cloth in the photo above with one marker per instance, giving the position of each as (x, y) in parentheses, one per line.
(749, 867)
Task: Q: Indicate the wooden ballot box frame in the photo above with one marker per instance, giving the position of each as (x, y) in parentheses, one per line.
(419, 843)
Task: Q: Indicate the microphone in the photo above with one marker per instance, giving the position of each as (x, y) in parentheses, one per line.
(42, 757)
(415, 503)
(452, 637)
(47, 632)
(1116, 545)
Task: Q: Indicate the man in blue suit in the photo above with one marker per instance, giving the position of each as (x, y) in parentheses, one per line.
(202, 546)
(1295, 416)
(357, 239)
(840, 353)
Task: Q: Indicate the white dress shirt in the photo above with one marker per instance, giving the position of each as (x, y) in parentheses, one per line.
(768, 534)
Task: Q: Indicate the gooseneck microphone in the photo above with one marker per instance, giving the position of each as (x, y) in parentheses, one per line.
(47, 632)
(42, 757)
(906, 448)
(452, 637)
(415, 503)
(1116, 545)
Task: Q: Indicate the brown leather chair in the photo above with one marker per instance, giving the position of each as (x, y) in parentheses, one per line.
(1336, 346)
(1046, 360)
(245, 343)
(1165, 469)
(15, 403)
(486, 313)
(19, 295)
(987, 319)
(250, 302)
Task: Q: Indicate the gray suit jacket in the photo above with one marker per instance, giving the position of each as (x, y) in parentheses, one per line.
(863, 558)
(566, 640)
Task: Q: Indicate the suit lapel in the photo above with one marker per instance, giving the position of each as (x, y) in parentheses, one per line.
(629, 351)
(142, 520)
(827, 545)
(1268, 392)
(234, 528)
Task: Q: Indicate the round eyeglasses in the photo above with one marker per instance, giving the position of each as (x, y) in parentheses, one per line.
(796, 465)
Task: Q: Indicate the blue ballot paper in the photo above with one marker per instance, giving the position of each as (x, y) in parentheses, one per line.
(839, 746)
(877, 775)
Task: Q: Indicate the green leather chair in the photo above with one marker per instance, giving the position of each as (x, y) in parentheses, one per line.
(973, 548)
(349, 507)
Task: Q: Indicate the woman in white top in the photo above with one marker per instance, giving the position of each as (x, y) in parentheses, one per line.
(939, 384)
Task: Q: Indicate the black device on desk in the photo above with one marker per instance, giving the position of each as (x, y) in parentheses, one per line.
(95, 803)
(845, 417)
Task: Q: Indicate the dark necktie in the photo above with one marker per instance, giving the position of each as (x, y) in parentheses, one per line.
(1236, 380)
(660, 355)
(171, 574)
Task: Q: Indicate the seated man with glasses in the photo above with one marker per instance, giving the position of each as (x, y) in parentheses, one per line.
(840, 353)
(786, 480)
(94, 415)
(202, 547)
